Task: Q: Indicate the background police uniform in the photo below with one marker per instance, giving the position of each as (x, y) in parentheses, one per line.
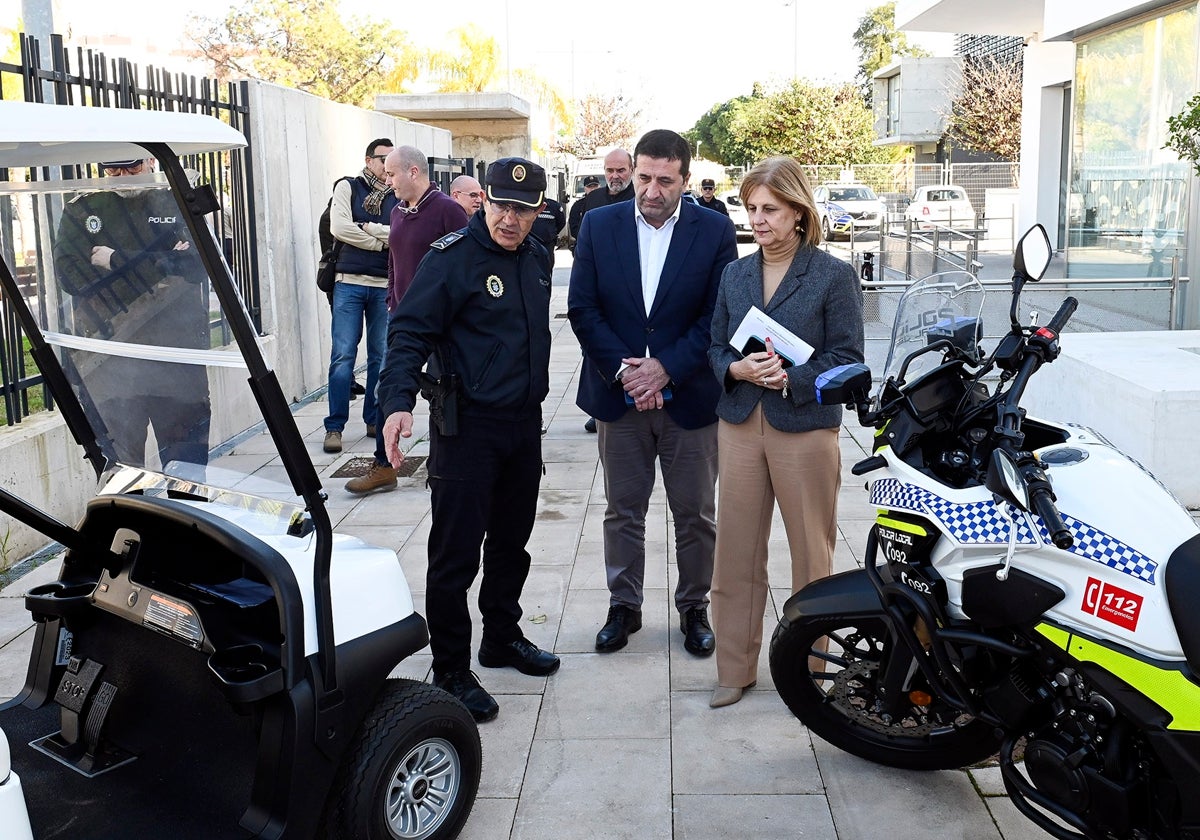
(487, 310)
(150, 294)
(547, 226)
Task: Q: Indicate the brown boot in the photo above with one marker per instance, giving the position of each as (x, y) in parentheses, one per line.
(379, 477)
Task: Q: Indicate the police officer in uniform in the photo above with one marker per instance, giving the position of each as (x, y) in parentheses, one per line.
(126, 259)
(548, 225)
(480, 304)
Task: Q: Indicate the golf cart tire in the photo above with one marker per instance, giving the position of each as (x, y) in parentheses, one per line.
(826, 229)
(421, 726)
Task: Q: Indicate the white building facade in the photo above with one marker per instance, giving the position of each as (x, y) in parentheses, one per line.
(1100, 81)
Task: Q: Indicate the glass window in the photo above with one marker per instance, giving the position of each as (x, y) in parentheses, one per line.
(1128, 195)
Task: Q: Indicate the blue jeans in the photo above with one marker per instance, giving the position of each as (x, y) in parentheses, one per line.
(352, 305)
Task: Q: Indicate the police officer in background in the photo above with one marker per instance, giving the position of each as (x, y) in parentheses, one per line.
(125, 257)
(480, 303)
(548, 225)
(709, 199)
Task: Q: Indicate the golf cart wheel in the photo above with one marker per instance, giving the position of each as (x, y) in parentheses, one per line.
(826, 229)
(414, 772)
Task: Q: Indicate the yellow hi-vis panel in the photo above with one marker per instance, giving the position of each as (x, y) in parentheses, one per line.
(1169, 688)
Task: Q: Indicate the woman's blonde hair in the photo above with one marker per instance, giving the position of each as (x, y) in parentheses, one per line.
(784, 177)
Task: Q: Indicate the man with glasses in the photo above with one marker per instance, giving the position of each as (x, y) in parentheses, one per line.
(466, 191)
(422, 215)
(480, 303)
(359, 215)
(708, 197)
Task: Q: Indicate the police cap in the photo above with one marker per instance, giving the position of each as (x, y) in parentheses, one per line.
(591, 181)
(517, 180)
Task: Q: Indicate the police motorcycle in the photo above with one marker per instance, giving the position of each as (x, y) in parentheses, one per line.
(211, 660)
(1028, 591)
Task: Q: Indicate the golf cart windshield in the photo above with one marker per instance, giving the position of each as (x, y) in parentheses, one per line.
(117, 284)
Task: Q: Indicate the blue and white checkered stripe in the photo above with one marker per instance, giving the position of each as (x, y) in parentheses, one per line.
(983, 523)
(977, 523)
(1099, 546)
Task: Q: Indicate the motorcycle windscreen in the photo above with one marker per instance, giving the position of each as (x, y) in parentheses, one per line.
(122, 296)
(932, 308)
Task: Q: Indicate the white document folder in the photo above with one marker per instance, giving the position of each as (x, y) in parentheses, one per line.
(758, 326)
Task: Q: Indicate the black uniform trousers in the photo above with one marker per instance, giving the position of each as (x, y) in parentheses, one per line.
(484, 484)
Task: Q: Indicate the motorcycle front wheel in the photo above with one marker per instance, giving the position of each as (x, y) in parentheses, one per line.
(828, 671)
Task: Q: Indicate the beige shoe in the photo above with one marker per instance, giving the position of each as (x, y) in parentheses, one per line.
(333, 441)
(725, 695)
(379, 477)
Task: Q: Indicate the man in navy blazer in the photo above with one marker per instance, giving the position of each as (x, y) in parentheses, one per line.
(643, 286)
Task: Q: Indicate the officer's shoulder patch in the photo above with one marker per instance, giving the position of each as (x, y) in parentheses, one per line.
(447, 240)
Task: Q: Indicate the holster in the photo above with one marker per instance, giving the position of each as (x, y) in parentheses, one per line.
(442, 394)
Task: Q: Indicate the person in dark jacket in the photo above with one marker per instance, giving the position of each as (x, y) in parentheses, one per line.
(575, 218)
(359, 215)
(708, 198)
(124, 256)
(480, 304)
(548, 225)
(618, 176)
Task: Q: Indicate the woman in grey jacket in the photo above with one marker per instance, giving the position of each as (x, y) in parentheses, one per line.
(775, 442)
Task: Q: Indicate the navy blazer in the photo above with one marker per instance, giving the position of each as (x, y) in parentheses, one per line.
(609, 316)
(819, 300)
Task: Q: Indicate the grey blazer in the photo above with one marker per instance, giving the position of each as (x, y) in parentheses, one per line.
(820, 300)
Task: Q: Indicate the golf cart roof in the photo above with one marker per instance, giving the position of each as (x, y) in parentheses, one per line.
(37, 134)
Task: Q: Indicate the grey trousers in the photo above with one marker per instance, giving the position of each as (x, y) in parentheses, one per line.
(688, 458)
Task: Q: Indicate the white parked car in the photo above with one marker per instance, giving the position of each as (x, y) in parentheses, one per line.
(941, 204)
(737, 214)
(842, 207)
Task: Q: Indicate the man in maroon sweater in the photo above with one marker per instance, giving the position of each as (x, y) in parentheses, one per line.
(423, 216)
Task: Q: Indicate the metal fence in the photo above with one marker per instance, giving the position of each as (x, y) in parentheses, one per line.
(97, 81)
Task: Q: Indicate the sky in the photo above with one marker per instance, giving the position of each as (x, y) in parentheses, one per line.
(674, 60)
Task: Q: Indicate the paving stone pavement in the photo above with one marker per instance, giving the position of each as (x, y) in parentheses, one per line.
(624, 745)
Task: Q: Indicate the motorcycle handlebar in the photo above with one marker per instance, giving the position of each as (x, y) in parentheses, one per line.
(1063, 315)
(1044, 506)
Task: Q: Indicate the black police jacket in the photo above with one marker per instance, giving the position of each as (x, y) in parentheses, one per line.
(487, 312)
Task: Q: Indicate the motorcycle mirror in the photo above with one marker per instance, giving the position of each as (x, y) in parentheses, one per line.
(844, 385)
(1032, 255)
(1005, 480)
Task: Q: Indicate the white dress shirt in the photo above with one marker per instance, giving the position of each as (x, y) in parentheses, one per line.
(653, 244)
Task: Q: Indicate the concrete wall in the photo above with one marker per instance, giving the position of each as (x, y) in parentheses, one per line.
(301, 145)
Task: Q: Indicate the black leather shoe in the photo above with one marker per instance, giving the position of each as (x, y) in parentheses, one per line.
(590, 426)
(466, 688)
(356, 389)
(614, 635)
(522, 654)
(698, 636)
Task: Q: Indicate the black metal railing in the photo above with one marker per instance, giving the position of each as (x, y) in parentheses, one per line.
(93, 79)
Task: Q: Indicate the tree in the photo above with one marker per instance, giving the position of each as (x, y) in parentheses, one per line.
(601, 120)
(878, 43)
(305, 44)
(814, 123)
(986, 116)
(1183, 133)
(472, 64)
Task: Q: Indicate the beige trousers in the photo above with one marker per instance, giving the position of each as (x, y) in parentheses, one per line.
(759, 465)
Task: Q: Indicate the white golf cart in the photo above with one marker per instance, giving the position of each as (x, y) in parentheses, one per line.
(212, 660)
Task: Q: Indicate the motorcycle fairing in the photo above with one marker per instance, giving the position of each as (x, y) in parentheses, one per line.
(1142, 529)
(1170, 685)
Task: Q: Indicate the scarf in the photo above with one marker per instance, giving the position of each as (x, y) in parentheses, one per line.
(373, 203)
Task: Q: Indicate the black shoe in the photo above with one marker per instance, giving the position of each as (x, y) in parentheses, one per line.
(590, 426)
(698, 636)
(614, 635)
(356, 389)
(522, 654)
(466, 688)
